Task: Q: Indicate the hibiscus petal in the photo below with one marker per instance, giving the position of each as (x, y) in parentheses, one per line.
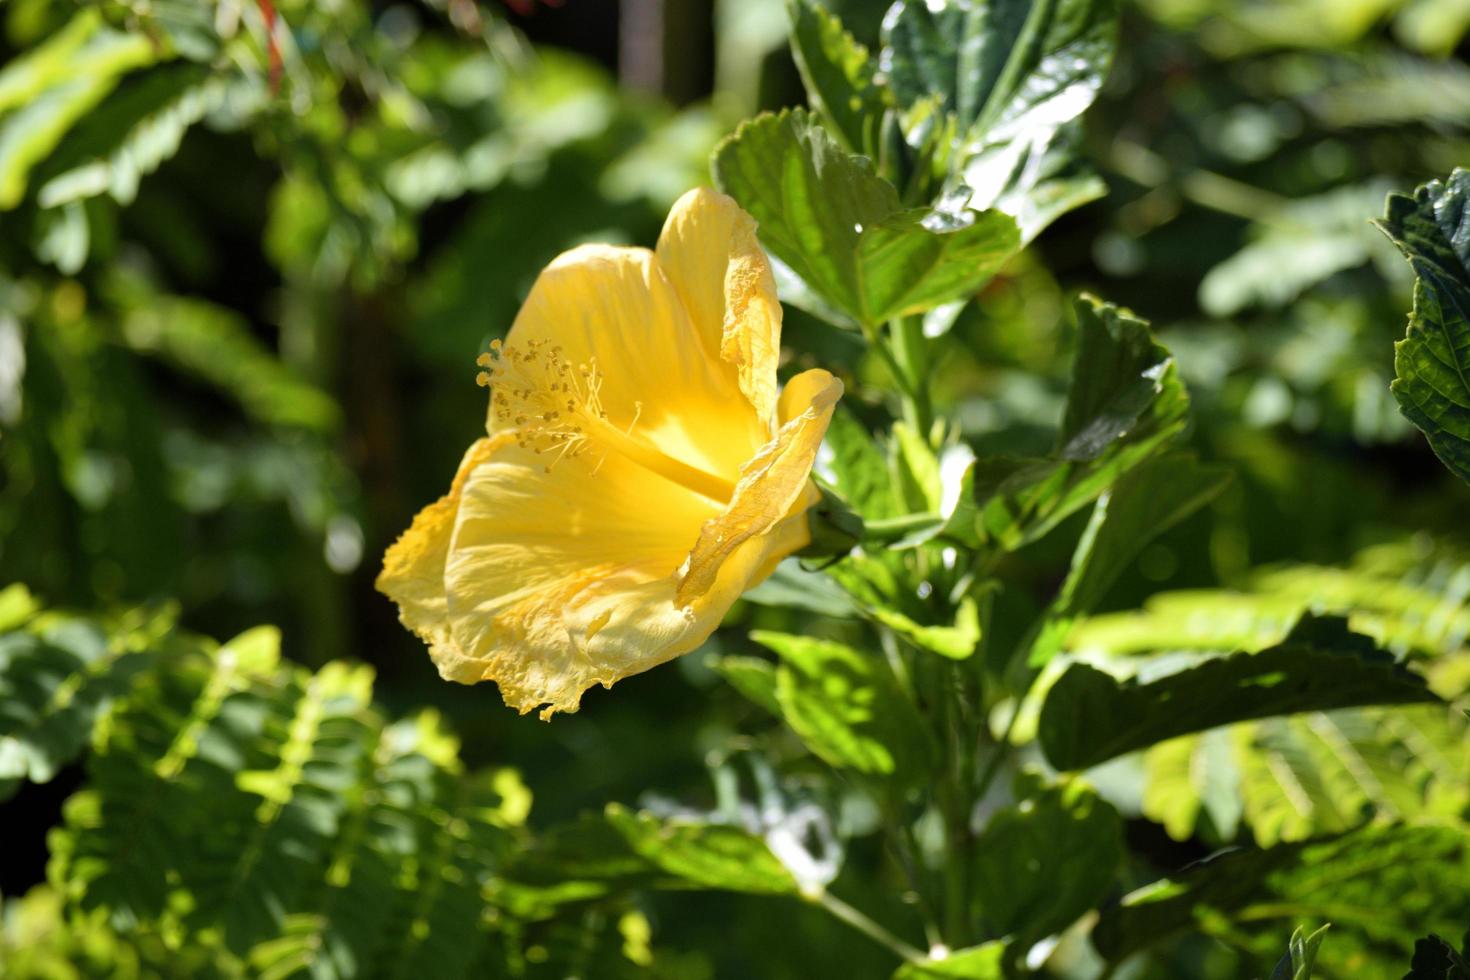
(413, 568)
(709, 250)
(539, 555)
(772, 485)
(613, 310)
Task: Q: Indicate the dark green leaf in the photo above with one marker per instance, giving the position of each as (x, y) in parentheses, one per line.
(1090, 716)
(1142, 505)
(1015, 74)
(1424, 869)
(1432, 362)
(846, 707)
(839, 227)
(1125, 404)
(1436, 959)
(1043, 862)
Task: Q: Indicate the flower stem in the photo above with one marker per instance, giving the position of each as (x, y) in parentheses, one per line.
(868, 927)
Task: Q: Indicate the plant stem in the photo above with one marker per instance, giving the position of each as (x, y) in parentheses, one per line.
(1002, 752)
(911, 352)
(868, 927)
(885, 353)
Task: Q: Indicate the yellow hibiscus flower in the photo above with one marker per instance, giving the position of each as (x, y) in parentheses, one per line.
(640, 470)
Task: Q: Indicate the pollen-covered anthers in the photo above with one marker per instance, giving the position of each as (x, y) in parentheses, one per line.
(550, 402)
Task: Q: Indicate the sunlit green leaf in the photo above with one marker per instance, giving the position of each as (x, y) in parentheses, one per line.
(704, 854)
(847, 707)
(1142, 505)
(984, 962)
(840, 228)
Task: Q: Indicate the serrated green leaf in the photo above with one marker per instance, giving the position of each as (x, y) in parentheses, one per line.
(847, 707)
(1425, 869)
(1042, 863)
(1432, 362)
(1125, 404)
(838, 74)
(1015, 74)
(833, 222)
(984, 962)
(1090, 716)
(704, 854)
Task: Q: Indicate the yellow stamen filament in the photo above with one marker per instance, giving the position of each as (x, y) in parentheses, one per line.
(556, 407)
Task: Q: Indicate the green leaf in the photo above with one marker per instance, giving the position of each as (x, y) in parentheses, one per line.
(833, 222)
(1142, 505)
(1432, 362)
(1015, 74)
(1001, 64)
(1409, 595)
(1042, 863)
(217, 344)
(704, 854)
(847, 707)
(129, 136)
(1301, 955)
(1304, 243)
(751, 676)
(983, 962)
(1090, 716)
(16, 606)
(858, 468)
(261, 811)
(1436, 959)
(1425, 869)
(957, 642)
(55, 85)
(56, 680)
(1125, 404)
(795, 587)
(1291, 779)
(577, 861)
(838, 74)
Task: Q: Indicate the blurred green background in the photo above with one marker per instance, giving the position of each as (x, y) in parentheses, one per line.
(249, 252)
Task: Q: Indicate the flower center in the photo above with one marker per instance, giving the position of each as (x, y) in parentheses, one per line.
(556, 407)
